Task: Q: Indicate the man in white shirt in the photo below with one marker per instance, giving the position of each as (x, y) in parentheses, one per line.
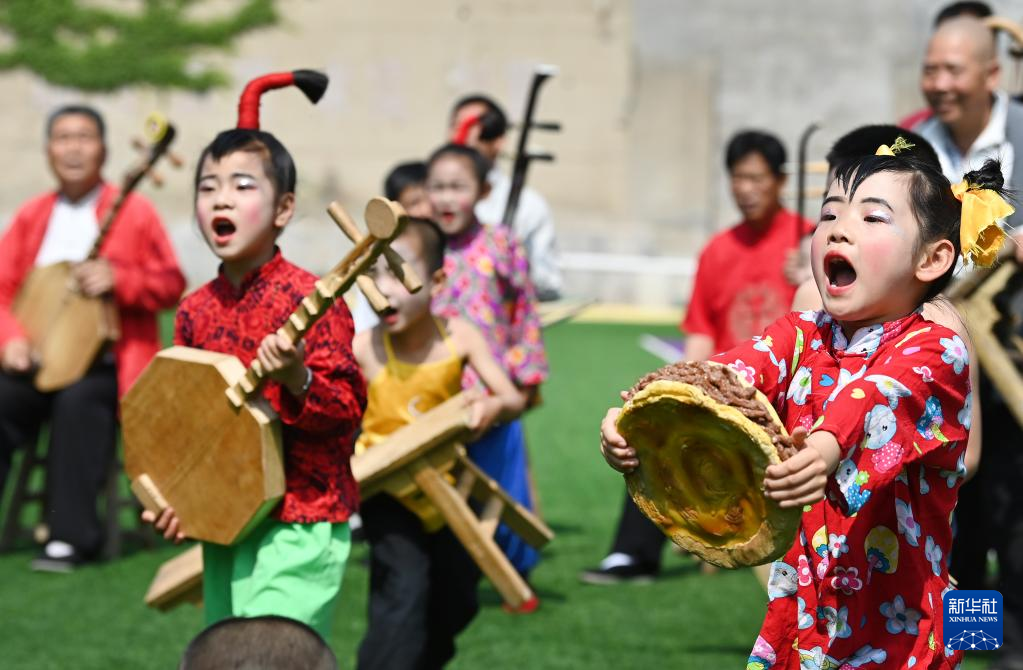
(960, 80)
(533, 224)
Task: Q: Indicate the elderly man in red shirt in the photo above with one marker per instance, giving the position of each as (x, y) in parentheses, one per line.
(138, 269)
(741, 287)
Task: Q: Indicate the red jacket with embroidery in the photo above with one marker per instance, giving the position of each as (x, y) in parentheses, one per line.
(318, 432)
(146, 273)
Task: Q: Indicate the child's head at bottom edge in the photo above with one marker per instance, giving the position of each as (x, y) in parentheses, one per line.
(266, 642)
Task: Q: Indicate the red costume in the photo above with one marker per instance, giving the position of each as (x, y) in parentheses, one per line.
(146, 274)
(319, 431)
(863, 584)
(740, 286)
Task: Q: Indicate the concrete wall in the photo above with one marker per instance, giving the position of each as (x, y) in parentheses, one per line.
(648, 93)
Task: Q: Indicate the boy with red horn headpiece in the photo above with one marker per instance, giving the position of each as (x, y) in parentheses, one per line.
(292, 563)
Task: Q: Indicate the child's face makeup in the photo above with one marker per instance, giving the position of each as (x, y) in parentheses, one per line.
(416, 201)
(236, 209)
(405, 308)
(864, 253)
(453, 190)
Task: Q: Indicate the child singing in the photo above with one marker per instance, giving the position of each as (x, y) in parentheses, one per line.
(291, 564)
(488, 284)
(879, 399)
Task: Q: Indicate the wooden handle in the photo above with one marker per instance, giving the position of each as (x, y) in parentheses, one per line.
(402, 270)
(147, 493)
(312, 307)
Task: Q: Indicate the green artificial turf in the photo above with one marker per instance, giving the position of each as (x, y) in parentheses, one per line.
(95, 618)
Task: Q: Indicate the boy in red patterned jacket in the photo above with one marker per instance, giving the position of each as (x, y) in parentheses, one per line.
(292, 563)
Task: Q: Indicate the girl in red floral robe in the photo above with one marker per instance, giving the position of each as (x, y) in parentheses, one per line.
(879, 400)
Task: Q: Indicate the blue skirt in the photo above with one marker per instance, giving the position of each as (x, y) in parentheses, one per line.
(501, 453)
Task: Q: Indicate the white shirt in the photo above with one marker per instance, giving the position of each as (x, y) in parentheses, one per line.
(71, 231)
(991, 143)
(533, 227)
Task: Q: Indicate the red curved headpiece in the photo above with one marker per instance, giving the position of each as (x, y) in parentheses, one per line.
(310, 82)
(461, 134)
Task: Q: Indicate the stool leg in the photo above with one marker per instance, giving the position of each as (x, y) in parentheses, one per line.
(12, 520)
(112, 543)
(21, 495)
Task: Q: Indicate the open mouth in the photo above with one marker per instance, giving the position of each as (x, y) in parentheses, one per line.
(839, 271)
(223, 228)
(388, 315)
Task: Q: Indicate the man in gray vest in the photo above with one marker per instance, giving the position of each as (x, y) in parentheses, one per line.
(972, 121)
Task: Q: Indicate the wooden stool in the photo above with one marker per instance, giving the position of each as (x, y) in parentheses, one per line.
(423, 464)
(25, 494)
(33, 459)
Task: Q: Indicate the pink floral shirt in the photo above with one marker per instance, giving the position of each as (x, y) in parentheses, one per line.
(862, 585)
(488, 284)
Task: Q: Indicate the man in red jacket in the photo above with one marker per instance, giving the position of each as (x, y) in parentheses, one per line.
(137, 267)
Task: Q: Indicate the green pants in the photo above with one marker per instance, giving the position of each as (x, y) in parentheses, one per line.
(286, 569)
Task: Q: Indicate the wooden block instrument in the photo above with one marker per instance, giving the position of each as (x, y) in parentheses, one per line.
(424, 461)
(983, 299)
(67, 329)
(199, 437)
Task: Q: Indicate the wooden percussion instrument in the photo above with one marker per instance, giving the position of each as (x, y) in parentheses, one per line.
(426, 461)
(67, 329)
(199, 437)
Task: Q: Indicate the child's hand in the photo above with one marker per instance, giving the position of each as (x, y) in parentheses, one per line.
(167, 523)
(483, 412)
(801, 479)
(284, 362)
(617, 453)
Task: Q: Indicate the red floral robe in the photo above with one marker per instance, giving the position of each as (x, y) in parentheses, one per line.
(863, 584)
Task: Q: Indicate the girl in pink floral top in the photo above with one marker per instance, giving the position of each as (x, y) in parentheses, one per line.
(879, 399)
(488, 284)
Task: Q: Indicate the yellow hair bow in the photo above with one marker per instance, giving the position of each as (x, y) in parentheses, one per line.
(900, 144)
(980, 236)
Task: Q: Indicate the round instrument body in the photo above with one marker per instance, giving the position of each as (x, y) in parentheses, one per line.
(67, 330)
(219, 467)
(700, 475)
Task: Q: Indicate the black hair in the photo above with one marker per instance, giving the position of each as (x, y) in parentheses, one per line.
(493, 123)
(479, 164)
(930, 196)
(746, 142)
(979, 10)
(81, 110)
(403, 176)
(432, 241)
(277, 162)
(258, 643)
(865, 140)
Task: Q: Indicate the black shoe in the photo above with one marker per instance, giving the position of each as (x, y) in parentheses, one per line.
(48, 561)
(634, 573)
